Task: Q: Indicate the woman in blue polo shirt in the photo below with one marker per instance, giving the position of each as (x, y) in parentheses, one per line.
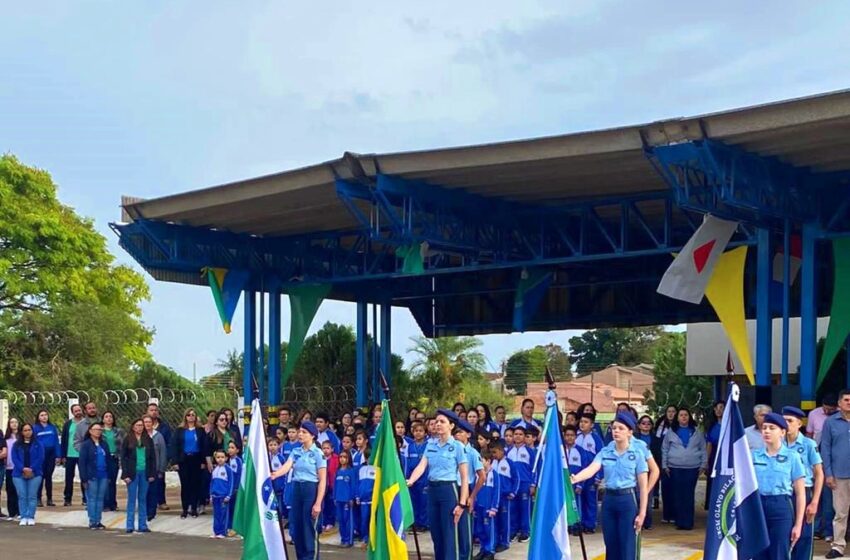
(48, 436)
(625, 472)
(779, 472)
(309, 481)
(188, 453)
(444, 458)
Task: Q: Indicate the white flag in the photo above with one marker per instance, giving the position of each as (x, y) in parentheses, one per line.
(688, 276)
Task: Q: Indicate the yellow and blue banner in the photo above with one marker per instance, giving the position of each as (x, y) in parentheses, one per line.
(226, 286)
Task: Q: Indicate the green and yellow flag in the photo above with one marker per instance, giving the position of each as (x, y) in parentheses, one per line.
(392, 511)
(226, 286)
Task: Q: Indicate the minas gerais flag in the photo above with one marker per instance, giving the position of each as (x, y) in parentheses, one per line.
(255, 517)
(392, 511)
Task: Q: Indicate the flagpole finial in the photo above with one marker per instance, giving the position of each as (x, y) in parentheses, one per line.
(550, 379)
(384, 385)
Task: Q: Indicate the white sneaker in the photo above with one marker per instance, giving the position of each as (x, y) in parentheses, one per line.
(22, 523)
(31, 522)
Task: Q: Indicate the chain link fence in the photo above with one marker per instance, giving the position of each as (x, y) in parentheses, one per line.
(128, 404)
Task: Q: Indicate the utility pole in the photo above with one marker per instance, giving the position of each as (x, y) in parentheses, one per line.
(194, 372)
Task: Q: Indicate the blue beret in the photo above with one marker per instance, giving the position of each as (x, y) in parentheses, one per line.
(454, 418)
(464, 425)
(310, 427)
(793, 411)
(777, 419)
(627, 419)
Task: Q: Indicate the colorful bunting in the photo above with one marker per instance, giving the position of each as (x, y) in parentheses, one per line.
(304, 302)
(226, 286)
(839, 314)
(725, 293)
(413, 256)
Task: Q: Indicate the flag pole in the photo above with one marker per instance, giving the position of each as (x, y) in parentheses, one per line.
(264, 418)
(550, 380)
(386, 389)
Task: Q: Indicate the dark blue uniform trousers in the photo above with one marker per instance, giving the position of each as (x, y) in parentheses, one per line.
(419, 499)
(804, 548)
(503, 522)
(684, 482)
(464, 536)
(302, 526)
(487, 532)
(521, 514)
(345, 518)
(442, 499)
(220, 511)
(589, 504)
(779, 515)
(619, 509)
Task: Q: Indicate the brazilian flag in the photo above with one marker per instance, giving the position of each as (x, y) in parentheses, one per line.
(392, 511)
(226, 286)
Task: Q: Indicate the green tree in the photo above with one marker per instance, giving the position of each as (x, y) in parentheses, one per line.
(672, 386)
(329, 357)
(530, 365)
(228, 374)
(598, 348)
(442, 364)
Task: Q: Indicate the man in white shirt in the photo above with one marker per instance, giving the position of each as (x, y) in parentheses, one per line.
(753, 433)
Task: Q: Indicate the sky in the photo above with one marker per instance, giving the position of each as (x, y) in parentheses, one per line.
(154, 98)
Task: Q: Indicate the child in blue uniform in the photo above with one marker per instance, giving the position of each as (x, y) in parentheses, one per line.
(625, 472)
(508, 488)
(523, 460)
(419, 491)
(222, 484)
(487, 508)
(279, 486)
(344, 487)
(588, 439)
(363, 493)
(577, 459)
(779, 471)
(462, 433)
(444, 459)
(235, 463)
(813, 466)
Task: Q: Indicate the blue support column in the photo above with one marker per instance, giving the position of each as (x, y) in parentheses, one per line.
(362, 330)
(808, 320)
(375, 388)
(275, 320)
(764, 323)
(261, 350)
(386, 342)
(786, 299)
(249, 349)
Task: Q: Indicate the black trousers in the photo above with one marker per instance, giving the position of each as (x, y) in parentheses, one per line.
(109, 501)
(11, 496)
(70, 472)
(48, 466)
(191, 480)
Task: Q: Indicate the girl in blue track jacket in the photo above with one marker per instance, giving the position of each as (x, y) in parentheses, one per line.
(344, 488)
(234, 461)
(222, 488)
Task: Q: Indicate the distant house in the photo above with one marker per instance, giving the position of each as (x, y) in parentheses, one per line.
(635, 379)
(496, 381)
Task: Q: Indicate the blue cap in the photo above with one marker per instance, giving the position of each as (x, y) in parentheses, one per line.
(627, 419)
(777, 419)
(450, 415)
(793, 411)
(464, 425)
(310, 427)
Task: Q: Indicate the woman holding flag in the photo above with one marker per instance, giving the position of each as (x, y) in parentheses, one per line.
(625, 472)
(444, 459)
(309, 477)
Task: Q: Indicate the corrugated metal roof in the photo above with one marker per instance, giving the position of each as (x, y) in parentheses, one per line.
(812, 132)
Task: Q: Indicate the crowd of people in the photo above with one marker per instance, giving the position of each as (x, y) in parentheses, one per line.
(470, 472)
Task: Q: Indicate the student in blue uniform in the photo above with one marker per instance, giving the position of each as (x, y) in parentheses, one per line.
(443, 460)
(462, 433)
(642, 439)
(279, 485)
(779, 472)
(363, 493)
(419, 491)
(588, 439)
(523, 460)
(508, 487)
(578, 458)
(309, 480)
(487, 508)
(625, 472)
(221, 489)
(234, 461)
(813, 466)
(325, 433)
(344, 486)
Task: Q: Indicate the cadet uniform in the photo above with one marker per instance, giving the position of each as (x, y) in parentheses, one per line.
(776, 475)
(305, 485)
(620, 506)
(444, 460)
(807, 450)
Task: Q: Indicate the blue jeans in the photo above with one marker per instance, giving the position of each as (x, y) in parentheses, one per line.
(95, 495)
(27, 489)
(137, 494)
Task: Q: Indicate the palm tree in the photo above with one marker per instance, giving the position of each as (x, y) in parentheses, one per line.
(442, 363)
(229, 374)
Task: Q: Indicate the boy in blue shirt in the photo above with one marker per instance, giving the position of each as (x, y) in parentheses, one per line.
(589, 440)
(523, 459)
(345, 484)
(419, 491)
(363, 494)
(222, 484)
(508, 488)
(279, 484)
(577, 459)
(487, 508)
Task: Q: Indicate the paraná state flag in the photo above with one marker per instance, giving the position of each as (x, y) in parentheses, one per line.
(736, 525)
(392, 510)
(555, 508)
(255, 516)
(688, 276)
